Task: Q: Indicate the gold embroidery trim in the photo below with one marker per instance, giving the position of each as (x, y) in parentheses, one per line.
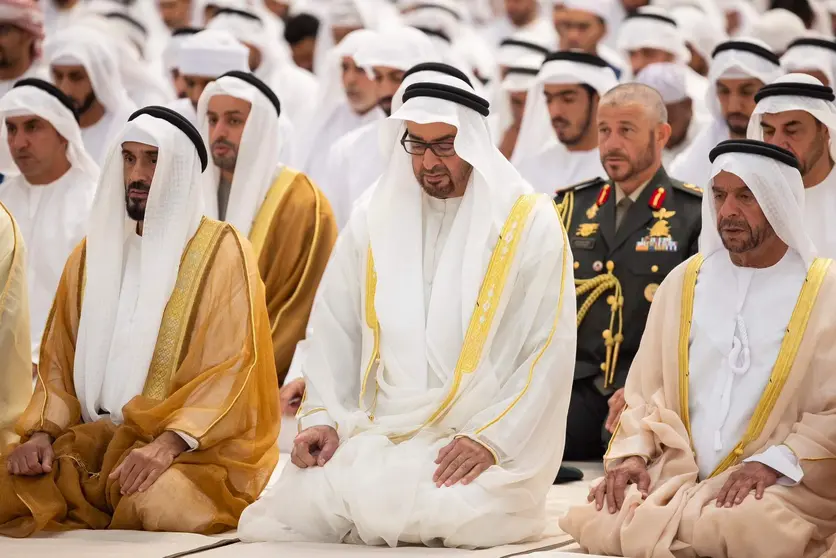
(372, 323)
(783, 364)
(689, 287)
(487, 302)
(175, 323)
(272, 201)
(309, 260)
(548, 339)
(254, 346)
(566, 208)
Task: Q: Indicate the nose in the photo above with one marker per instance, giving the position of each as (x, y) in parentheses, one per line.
(431, 159)
(142, 172)
(19, 141)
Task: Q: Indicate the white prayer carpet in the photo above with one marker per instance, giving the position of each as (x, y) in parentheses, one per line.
(134, 544)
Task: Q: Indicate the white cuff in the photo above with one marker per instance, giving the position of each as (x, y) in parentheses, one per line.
(317, 417)
(193, 444)
(783, 460)
(295, 370)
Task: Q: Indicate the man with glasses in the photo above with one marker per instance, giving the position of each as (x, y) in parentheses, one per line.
(440, 350)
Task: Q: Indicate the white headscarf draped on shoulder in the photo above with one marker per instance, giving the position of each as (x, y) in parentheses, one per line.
(173, 214)
(259, 152)
(30, 97)
(567, 67)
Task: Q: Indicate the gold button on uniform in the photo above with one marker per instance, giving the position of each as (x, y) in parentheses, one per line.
(598, 266)
(654, 268)
(577, 265)
(650, 291)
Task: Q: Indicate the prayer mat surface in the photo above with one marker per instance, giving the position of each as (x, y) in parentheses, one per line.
(135, 544)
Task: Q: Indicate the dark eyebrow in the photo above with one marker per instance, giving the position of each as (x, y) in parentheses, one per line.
(793, 123)
(151, 152)
(232, 112)
(31, 121)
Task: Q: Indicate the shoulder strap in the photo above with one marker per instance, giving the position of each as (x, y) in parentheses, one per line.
(179, 311)
(264, 217)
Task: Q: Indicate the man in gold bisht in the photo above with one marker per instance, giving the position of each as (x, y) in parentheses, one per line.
(286, 217)
(727, 447)
(153, 381)
(16, 366)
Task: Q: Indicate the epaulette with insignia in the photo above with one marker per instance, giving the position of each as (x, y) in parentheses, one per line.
(598, 181)
(686, 187)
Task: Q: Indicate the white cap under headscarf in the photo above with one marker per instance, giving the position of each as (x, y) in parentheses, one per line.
(779, 191)
(374, 15)
(259, 153)
(172, 216)
(699, 30)
(601, 8)
(536, 130)
(252, 29)
(28, 99)
(668, 78)
(87, 48)
(822, 110)
(171, 54)
(212, 53)
(652, 27)
(811, 53)
(778, 28)
(332, 96)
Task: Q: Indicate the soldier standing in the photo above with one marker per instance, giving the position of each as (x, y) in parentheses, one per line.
(627, 233)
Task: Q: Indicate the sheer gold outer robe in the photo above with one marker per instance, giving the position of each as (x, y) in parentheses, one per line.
(293, 235)
(679, 517)
(222, 392)
(16, 363)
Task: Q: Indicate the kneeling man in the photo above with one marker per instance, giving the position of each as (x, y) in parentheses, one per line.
(156, 379)
(727, 447)
(440, 361)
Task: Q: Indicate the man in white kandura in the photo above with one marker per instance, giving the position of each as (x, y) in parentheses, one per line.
(439, 363)
(727, 446)
(558, 142)
(796, 112)
(52, 188)
(738, 70)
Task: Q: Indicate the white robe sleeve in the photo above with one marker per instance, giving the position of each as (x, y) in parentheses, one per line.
(782, 460)
(332, 351)
(531, 406)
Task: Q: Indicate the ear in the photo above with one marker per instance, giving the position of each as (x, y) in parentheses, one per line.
(663, 133)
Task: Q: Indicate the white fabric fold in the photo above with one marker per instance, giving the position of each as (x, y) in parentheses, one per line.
(212, 53)
(173, 213)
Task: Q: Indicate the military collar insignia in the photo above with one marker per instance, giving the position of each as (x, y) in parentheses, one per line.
(657, 199)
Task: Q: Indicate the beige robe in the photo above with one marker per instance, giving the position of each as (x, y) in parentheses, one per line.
(679, 517)
(16, 365)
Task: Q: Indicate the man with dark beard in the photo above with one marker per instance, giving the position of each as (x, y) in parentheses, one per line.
(627, 233)
(556, 146)
(796, 112)
(85, 69)
(285, 216)
(21, 33)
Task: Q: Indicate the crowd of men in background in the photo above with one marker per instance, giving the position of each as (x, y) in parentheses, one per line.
(274, 116)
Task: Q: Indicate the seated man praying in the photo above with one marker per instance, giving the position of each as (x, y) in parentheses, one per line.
(156, 390)
(727, 447)
(441, 348)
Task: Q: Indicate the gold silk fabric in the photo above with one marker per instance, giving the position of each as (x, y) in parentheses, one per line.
(221, 391)
(293, 235)
(16, 367)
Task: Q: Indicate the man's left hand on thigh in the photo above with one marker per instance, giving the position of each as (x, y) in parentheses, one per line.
(751, 476)
(461, 460)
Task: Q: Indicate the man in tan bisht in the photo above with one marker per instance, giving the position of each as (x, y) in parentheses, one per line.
(286, 217)
(154, 395)
(729, 436)
(15, 346)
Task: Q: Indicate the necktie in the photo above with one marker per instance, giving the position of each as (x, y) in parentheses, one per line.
(621, 210)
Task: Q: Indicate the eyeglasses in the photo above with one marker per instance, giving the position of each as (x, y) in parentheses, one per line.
(440, 149)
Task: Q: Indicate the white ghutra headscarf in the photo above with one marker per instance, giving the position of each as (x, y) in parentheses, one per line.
(173, 213)
(259, 152)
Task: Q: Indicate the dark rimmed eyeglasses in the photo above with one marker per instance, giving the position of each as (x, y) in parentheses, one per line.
(440, 149)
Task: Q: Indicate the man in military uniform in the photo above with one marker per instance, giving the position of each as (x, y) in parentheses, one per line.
(626, 233)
